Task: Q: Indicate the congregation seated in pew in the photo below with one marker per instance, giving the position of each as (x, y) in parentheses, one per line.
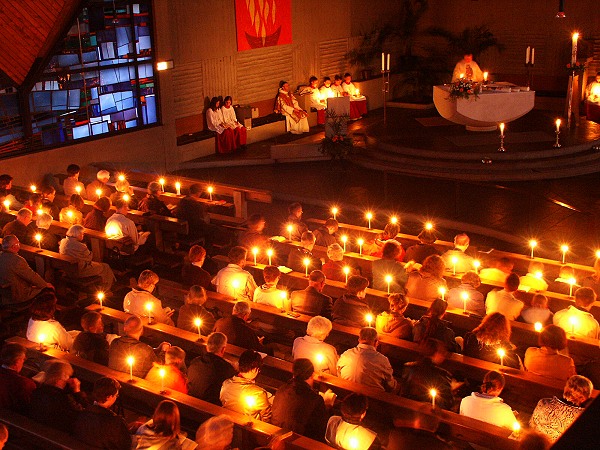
(537, 311)
(426, 282)
(254, 237)
(419, 252)
(576, 319)
(163, 430)
(389, 266)
(351, 309)
(152, 203)
(237, 330)
(47, 240)
(96, 218)
(92, 343)
(394, 322)
(72, 214)
(301, 259)
(20, 227)
(233, 280)
(311, 300)
(71, 184)
(534, 279)
(268, 293)
(549, 359)
(99, 187)
(504, 301)
(119, 226)
(141, 302)
(346, 431)
(374, 247)
(325, 235)
(457, 259)
(15, 389)
(43, 328)
(500, 269)
(294, 227)
(193, 315)
(312, 346)
(466, 296)
(433, 326)
(334, 267)
(192, 271)
(566, 283)
(171, 374)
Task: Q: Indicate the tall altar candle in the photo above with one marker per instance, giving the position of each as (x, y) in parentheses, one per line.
(527, 54)
(574, 48)
(532, 56)
(382, 62)
(388, 62)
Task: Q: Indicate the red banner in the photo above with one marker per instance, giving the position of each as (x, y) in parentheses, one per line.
(263, 23)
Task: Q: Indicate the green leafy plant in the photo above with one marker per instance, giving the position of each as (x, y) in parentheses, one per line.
(336, 143)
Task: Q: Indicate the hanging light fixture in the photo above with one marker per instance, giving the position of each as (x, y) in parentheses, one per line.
(561, 10)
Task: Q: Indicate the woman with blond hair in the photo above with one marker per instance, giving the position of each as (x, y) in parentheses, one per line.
(397, 325)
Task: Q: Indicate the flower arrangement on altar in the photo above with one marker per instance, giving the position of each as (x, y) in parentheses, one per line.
(336, 143)
(575, 67)
(464, 88)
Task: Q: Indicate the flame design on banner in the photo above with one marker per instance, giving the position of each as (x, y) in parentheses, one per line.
(263, 23)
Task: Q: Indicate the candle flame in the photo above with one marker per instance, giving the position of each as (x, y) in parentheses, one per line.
(290, 228)
(70, 214)
(98, 192)
(320, 358)
(210, 189)
(575, 36)
(433, 392)
(573, 321)
(161, 181)
(250, 401)
(597, 254)
(477, 264)
(369, 318)
(464, 295)
(41, 338)
(388, 279)
(429, 226)
(572, 281)
(126, 197)
(162, 372)
(393, 220)
(39, 212)
(516, 427)
(6, 204)
(38, 237)
(334, 210)
(442, 290)
(283, 295)
(353, 443)
(255, 250)
(198, 321)
(121, 177)
(344, 239)
(564, 248)
(346, 270)
(78, 189)
(130, 360)
(33, 188)
(558, 122)
(533, 243)
(538, 326)
(360, 241)
(306, 261)
(149, 306)
(100, 296)
(369, 215)
(501, 352)
(235, 284)
(270, 252)
(454, 259)
(538, 274)
(178, 185)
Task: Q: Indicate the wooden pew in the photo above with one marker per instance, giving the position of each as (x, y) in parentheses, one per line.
(190, 408)
(383, 405)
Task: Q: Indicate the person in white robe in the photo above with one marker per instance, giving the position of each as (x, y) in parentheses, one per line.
(230, 121)
(337, 88)
(225, 139)
(286, 104)
(468, 68)
(358, 102)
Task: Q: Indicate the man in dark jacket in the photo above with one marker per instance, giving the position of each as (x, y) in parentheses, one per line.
(325, 234)
(97, 425)
(91, 343)
(298, 407)
(152, 203)
(237, 330)
(298, 255)
(15, 389)
(195, 212)
(351, 309)
(311, 300)
(207, 372)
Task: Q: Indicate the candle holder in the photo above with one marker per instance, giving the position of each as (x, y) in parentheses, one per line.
(501, 148)
(385, 77)
(557, 143)
(529, 67)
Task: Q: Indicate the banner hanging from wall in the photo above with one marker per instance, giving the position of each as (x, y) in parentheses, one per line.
(263, 23)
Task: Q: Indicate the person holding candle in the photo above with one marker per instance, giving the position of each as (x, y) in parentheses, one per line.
(537, 311)
(587, 325)
(456, 259)
(374, 247)
(49, 240)
(102, 178)
(312, 346)
(287, 105)
(174, 371)
(469, 283)
(163, 431)
(358, 102)
(297, 255)
(395, 324)
(566, 283)
(425, 283)
(152, 203)
(432, 325)
(487, 405)
(534, 279)
(72, 214)
(193, 272)
(15, 389)
(325, 235)
(268, 294)
(21, 226)
(194, 309)
(316, 101)
(346, 431)
(42, 322)
(71, 184)
(549, 360)
(96, 218)
(230, 121)
(234, 271)
(295, 212)
(504, 301)
(468, 68)
(389, 265)
(351, 309)
(135, 301)
(493, 333)
(237, 391)
(365, 365)
(334, 267)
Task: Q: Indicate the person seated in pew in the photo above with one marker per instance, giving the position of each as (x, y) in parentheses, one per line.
(163, 431)
(20, 227)
(388, 265)
(492, 335)
(233, 280)
(58, 400)
(287, 105)
(71, 184)
(268, 294)
(316, 101)
(457, 259)
(294, 219)
(73, 246)
(192, 273)
(549, 360)
(469, 283)
(593, 281)
(15, 389)
(92, 343)
(345, 432)
(43, 328)
(97, 425)
(195, 213)
(124, 192)
(237, 330)
(6, 184)
(552, 416)
(534, 279)
(96, 218)
(299, 255)
(224, 135)
(152, 203)
(254, 237)
(504, 301)
(141, 302)
(240, 393)
(351, 309)
(208, 371)
(48, 241)
(129, 344)
(358, 102)
(423, 249)
(365, 365)
(325, 234)
(230, 121)
(312, 346)
(297, 405)
(501, 268)
(432, 325)
(34, 202)
(311, 301)
(99, 188)
(334, 267)
(425, 283)
(194, 309)
(374, 247)
(215, 434)
(420, 377)
(537, 311)
(119, 226)
(171, 374)
(394, 322)
(487, 405)
(72, 214)
(48, 197)
(566, 283)
(24, 282)
(577, 319)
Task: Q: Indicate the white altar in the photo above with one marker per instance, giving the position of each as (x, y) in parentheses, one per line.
(493, 106)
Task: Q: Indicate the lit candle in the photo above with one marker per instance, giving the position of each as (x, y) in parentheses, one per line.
(41, 341)
(38, 238)
(235, 284)
(538, 326)
(320, 360)
(428, 226)
(255, 252)
(462, 75)
(360, 243)
(538, 274)
(454, 262)
(485, 76)
(382, 62)
(100, 297)
(198, 323)
(532, 244)
(393, 220)
(433, 394)
(574, 322)
(78, 189)
(6, 204)
(369, 217)
(564, 249)
(126, 197)
(121, 177)
(344, 239)
(369, 318)
(442, 291)
(98, 193)
(161, 181)
(161, 373)
(532, 56)
(516, 428)
(130, 361)
(557, 124)
(388, 280)
(465, 298)
(70, 214)
(346, 272)
(572, 282)
(178, 188)
(284, 296)
(527, 53)
(290, 228)
(33, 188)
(477, 265)
(39, 212)
(574, 48)
(388, 61)
(334, 211)
(306, 262)
(501, 353)
(353, 443)
(597, 254)
(210, 191)
(149, 306)
(250, 402)
(502, 126)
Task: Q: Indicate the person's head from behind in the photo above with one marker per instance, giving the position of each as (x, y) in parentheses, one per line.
(433, 265)
(216, 343)
(154, 188)
(357, 285)
(319, 327)
(148, 280)
(103, 176)
(316, 279)
(391, 250)
(472, 279)
(133, 327)
(237, 255)
(13, 356)
(48, 193)
(332, 225)
(427, 237)
(354, 408)
(494, 329)
(585, 298)
(76, 232)
(73, 170)
(554, 337)
(566, 272)
(398, 303)
(391, 230)
(11, 244)
(103, 204)
(43, 221)
(91, 322)
(215, 434)
(505, 265)
(271, 274)
(196, 296)
(493, 383)
(368, 336)
(256, 223)
(536, 268)
(121, 206)
(303, 370)
(43, 306)
(461, 241)
(57, 373)
(25, 216)
(175, 356)
(434, 349)
(166, 420)
(578, 389)
(534, 440)
(307, 240)
(511, 283)
(6, 181)
(197, 255)
(106, 391)
(195, 190)
(295, 210)
(122, 186)
(249, 364)
(335, 252)
(76, 201)
(242, 310)
(437, 309)
(539, 301)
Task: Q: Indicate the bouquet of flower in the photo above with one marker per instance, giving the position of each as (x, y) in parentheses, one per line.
(576, 67)
(464, 88)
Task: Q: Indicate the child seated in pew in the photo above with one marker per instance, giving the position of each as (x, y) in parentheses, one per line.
(268, 294)
(538, 311)
(171, 374)
(194, 309)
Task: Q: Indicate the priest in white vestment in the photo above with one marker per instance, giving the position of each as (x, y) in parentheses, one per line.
(468, 68)
(286, 104)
